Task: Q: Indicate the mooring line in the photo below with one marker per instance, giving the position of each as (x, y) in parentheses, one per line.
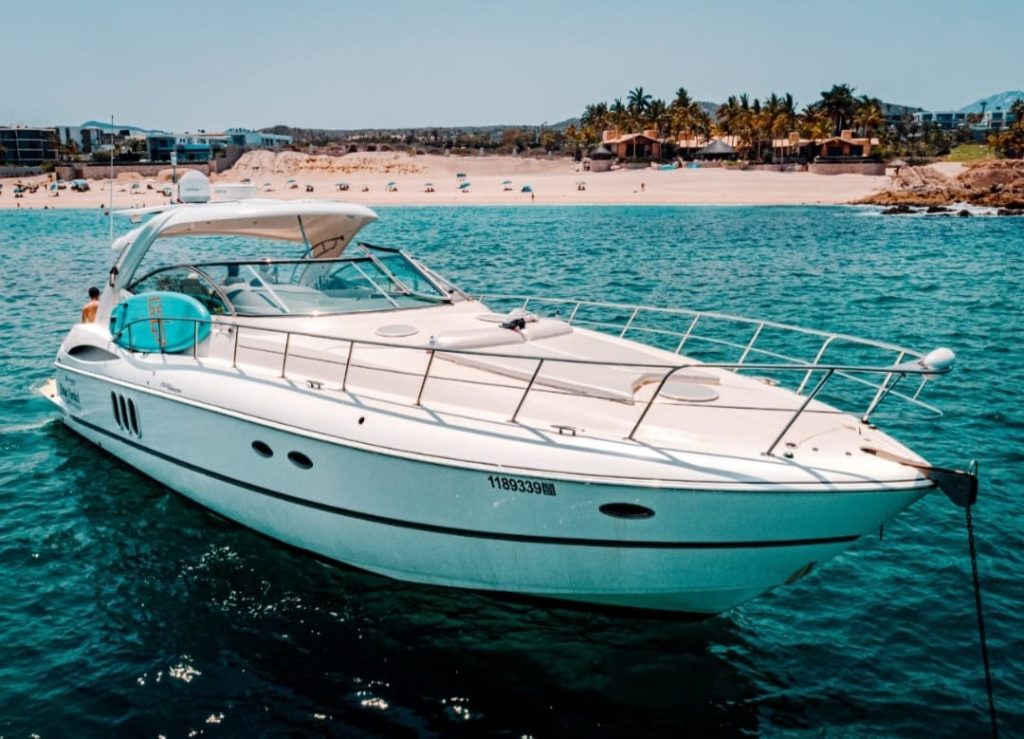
(981, 624)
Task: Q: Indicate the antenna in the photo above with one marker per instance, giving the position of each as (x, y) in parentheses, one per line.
(110, 210)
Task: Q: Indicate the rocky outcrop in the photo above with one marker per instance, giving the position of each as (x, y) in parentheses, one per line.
(997, 184)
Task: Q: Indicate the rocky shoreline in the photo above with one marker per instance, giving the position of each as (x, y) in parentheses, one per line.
(944, 210)
(992, 184)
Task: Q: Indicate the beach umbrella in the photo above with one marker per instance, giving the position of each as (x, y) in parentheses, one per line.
(289, 181)
(341, 183)
(460, 175)
(464, 185)
(506, 182)
(526, 188)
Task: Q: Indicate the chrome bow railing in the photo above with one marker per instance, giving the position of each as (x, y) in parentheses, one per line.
(907, 363)
(722, 334)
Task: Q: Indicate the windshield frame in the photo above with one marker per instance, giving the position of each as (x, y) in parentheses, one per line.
(446, 293)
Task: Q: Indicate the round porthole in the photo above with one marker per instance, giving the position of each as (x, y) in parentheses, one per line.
(626, 510)
(262, 449)
(300, 460)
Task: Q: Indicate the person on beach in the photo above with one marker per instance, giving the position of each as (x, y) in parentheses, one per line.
(90, 308)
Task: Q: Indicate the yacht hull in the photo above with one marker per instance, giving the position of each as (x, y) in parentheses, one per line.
(700, 551)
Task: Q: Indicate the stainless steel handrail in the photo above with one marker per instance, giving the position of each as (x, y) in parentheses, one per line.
(578, 304)
(760, 366)
(884, 388)
(748, 349)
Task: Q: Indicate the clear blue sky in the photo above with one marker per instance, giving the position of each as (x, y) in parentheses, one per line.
(182, 65)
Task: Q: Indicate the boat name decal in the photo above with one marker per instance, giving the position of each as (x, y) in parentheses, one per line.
(500, 482)
(170, 388)
(68, 391)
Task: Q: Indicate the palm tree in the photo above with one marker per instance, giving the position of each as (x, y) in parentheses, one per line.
(680, 112)
(744, 125)
(618, 113)
(679, 120)
(658, 115)
(840, 105)
(815, 123)
(785, 118)
(1010, 143)
(573, 137)
(769, 118)
(596, 116)
(728, 114)
(1017, 111)
(682, 99)
(868, 115)
(703, 125)
(638, 102)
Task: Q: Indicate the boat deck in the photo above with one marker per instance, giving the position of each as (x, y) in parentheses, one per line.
(455, 361)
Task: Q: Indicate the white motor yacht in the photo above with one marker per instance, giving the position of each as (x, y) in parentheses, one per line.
(347, 400)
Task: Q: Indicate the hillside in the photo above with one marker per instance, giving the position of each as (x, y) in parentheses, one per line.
(1001, 100)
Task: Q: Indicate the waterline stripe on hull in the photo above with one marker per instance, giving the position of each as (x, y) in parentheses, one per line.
(468, 533)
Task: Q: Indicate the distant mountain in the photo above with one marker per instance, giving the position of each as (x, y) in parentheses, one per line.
(709, 107)
(561, 125)
(1001, 100)
(118, 127)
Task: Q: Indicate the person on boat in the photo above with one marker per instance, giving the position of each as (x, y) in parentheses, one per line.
(233, 276)
(90, 308)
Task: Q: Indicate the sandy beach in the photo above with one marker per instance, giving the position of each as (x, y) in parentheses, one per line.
(553, 182)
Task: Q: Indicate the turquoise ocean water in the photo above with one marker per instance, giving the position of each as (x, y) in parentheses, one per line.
(126, 611)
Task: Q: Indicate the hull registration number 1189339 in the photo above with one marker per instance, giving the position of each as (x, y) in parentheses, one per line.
(515, 484)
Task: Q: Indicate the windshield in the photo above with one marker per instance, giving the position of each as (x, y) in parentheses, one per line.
(376, 278)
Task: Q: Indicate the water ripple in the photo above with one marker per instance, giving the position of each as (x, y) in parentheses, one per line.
(126, 610)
